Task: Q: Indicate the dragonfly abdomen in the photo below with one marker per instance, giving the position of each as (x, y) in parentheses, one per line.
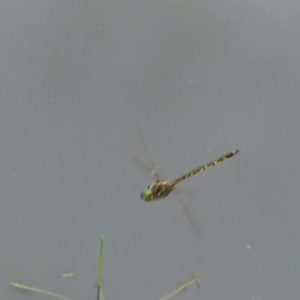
(205, 167)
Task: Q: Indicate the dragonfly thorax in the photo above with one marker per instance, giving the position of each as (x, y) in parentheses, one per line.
(157, 190)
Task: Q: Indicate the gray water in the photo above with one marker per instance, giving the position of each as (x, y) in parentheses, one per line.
(202, 78)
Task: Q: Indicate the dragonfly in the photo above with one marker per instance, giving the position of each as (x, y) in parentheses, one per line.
(161, 188)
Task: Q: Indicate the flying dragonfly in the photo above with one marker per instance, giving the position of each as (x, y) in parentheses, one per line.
(162, 188)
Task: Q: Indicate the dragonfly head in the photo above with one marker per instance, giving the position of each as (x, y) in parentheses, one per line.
(147, 194)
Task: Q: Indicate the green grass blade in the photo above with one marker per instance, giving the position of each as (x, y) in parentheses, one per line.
(100, 270)
(32, 289)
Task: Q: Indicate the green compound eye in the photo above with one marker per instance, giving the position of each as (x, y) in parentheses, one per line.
(146, 194)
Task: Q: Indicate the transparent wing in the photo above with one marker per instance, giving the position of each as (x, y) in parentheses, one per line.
(144, 159)
(185, 199)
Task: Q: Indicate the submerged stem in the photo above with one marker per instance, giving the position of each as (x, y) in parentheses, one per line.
(184, 286)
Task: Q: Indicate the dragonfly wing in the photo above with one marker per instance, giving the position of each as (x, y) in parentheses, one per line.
(144, 159)
(185, 200)
(152, 170)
